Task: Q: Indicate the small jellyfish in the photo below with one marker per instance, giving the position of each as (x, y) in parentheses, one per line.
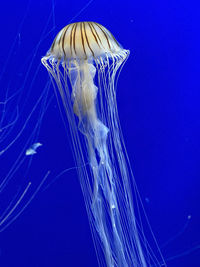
(32, 149)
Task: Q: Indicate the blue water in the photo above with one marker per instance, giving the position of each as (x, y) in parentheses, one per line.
(158, 101)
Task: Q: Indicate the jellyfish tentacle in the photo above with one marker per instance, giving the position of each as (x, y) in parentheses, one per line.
(84, 93)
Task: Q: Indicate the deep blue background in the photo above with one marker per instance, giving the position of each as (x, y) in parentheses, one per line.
(158, 101)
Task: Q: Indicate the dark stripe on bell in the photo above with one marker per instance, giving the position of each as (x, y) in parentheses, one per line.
(82, 39)
(93, 34)
(105, 34)
(62, 37)
(74, 38)
(87, 40)
(96, 33)
(71, 37)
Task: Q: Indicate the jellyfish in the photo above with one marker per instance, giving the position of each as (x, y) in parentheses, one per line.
(84, 62)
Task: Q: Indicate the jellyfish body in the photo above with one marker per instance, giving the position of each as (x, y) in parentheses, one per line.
(83, 61)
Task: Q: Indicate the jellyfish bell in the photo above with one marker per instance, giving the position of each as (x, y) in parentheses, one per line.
(84, 40)
(83, 62)
(81, 48)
